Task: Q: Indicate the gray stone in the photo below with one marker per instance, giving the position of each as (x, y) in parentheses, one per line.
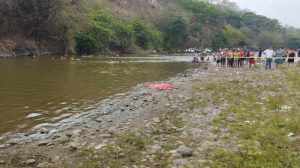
(44, 165)
(44, 131)
(100, 146)
(176, 155)
(156, 120)
(30, 162)
(76, 133)
(74, 145)
(63, 139)
(185, 151)
(43, 143)
(180, 162)
(98, 120)
(55, 159)
(155, 148)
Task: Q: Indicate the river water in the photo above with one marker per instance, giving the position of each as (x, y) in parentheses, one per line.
(48, 89)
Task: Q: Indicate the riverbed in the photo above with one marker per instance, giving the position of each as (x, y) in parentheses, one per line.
(50, 89)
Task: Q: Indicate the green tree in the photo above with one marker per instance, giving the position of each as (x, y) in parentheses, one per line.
(267, 38)
(87, 44)
(176, 33)
(142, 34)
(229, 37)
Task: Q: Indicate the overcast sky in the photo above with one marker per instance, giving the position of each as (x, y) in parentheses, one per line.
(286, 11)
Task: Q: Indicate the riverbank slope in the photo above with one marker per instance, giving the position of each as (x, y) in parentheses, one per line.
(217, 117)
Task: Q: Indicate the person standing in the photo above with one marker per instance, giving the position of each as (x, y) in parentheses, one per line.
(269, 53)
(251, 58)
(223, 57)
(291, 56)
(260, 51)
(279, 57)
(298, 55)
(241, 58)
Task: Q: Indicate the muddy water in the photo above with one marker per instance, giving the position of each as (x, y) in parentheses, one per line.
(45, 89)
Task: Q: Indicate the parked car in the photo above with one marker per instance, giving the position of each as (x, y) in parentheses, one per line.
(190, 50)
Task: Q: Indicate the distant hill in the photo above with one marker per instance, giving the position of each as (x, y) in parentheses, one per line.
(129, 26)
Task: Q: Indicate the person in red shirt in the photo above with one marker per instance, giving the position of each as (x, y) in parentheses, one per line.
(252, 58)
(241, 58)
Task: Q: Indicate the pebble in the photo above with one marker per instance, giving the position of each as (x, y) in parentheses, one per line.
(155, 148)
(184, 151)
(43, 143)
(30, 161)
(55, 159)
(63, 139)
(100, 146)
(44, 165)
(156, 120)
(74, 145)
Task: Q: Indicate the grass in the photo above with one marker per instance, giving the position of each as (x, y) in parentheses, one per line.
(261, 126)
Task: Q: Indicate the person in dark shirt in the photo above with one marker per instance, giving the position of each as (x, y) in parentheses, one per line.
(260, 51)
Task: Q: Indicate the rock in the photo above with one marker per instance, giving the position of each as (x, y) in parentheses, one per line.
(13, 142)
(55, 159)
(63, 139)
(104, 113)
(180, 162)
(230, 119)
(156, 120)
(43, 143)
(176, 155)
(106, 136)
(100, 146)
(256, 144)
(185, 151)
(98, 120)
(44, 165)
(30, 162)
(135, 98)
(74, 145)
(291, 134)
(76, 133)
(2, 162)
(44, 131)
(155, 148)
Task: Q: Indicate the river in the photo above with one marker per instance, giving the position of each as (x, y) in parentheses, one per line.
(48, 89)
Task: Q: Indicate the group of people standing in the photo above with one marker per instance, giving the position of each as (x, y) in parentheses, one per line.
(242, 57)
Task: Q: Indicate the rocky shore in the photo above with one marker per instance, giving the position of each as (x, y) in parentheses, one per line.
(193, 125)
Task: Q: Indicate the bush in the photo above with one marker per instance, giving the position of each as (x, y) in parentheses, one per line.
(87, 44)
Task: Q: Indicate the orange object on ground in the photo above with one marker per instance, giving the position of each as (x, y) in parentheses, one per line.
(163, 86)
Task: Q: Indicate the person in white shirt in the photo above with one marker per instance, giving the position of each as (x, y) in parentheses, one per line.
(269, 54)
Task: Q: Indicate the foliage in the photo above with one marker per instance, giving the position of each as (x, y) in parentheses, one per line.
(166, 25)
(268, 38)
(87, 44)
(229, 37)
(176, 33)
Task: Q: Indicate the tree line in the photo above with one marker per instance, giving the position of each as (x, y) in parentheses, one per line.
(101, 26)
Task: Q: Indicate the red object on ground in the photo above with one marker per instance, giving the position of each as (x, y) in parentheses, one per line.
(163, 86)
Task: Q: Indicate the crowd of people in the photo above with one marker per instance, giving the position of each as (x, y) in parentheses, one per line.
(241, 57)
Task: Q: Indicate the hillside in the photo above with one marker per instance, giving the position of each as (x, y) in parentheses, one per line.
(36, 27)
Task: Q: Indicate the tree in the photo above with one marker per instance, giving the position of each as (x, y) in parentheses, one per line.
(229, 37)
(176, 33)
(87, 44)
(267, 38)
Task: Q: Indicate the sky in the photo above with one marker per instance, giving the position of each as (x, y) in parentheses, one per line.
(286, 11)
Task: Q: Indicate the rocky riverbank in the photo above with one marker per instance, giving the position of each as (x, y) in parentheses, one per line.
(215, 117)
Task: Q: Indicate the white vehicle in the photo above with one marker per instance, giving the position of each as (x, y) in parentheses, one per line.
(190, 50)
